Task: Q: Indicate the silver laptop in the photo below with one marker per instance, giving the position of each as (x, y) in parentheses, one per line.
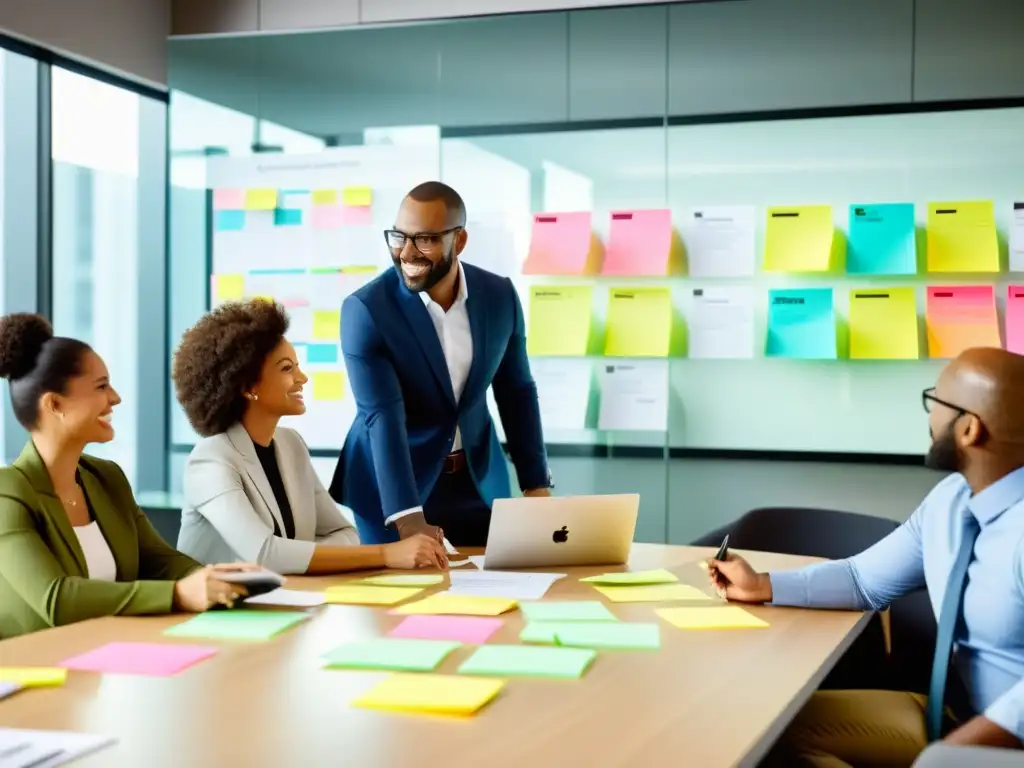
(561, 530)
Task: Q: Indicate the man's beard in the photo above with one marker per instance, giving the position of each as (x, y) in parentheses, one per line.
(430, 279)
(942, 454)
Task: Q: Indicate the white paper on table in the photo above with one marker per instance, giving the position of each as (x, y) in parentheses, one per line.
(47, 749)
(720, 323)
(720, 241)
(477, 560)
(509, 584)
(1017, 238)
(290, 597)
(634, 396)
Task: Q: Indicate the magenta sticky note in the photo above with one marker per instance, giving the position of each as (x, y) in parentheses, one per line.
(1015, 319)
(639, 243)
(356, 215)
(154, 659)
(229, 199)
(464, 629)
(559, 244)
(327, 216)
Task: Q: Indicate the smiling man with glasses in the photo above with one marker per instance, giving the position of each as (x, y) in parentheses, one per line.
(965, 545)
(422, 344)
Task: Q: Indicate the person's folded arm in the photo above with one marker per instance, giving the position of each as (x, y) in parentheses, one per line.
(515, 394)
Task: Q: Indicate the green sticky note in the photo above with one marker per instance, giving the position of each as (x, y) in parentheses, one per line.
(403, 580)
(621, 635)
(237, 624)
(527, 661)
(567, 610)
(659, 576)
(399, 654)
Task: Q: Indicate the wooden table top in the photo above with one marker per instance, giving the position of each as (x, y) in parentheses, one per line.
(707, 698)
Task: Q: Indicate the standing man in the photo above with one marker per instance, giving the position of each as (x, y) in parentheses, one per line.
(422, 344)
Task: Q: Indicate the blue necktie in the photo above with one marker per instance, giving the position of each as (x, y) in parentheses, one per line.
(952, 605)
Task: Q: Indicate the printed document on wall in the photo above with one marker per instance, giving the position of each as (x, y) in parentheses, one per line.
(720, 241)
(1017, 238)
(721, 323)
(634, 396)
(563, 389)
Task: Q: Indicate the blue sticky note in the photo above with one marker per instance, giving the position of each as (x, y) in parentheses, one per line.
(228, 221)
(801, 324)
(287, 217)
(881, 240)
(322, 353)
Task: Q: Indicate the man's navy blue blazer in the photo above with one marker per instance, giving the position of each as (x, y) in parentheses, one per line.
(406, 411)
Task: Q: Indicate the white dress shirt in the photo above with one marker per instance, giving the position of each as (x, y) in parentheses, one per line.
(99, 561)
(457, 344)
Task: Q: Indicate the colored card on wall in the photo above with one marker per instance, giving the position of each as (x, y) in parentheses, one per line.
(559, 320)
(326, 324)
(639, 243)
(260, 199)
(962, 237)
(801, 324)
(799, 239)
(287, 217)
(883, 324)
(560, 244)
(325, 197)
(1015, 319)
(960, 317)
(639, 322)
(328, 385)
(228, 221)
(357, 196)
(882, 240)
(1016, 237)
(228, 287)
(326, 216)
(356, 215)
(322, 353)
(228, 199)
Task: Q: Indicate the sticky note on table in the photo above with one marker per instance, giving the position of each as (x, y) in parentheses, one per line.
(559, 320)
(801, 324)
(228, 287)
(621, 635)
(326, 324)
(713, 617)
(527, 661)
(962, 237)
(639, 243)
(402, 580)
(883, 324)
(33, 677)
(228, 221)
(472, 630)
(357, 196)
(882, 240)
(228, 199)
(260, 199)
(639, 322)
(431, 694)
(560, 244)
(1015, 319)
(397, 654)
(464, 605)
(328, 385)
(960, 317)
(153, 659)
(237, 624)
(653, 593)
(634, 578)
(567, 610)
(367, 594)
(800, 239)
(325, 196)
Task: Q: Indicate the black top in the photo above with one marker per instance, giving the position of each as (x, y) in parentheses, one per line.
(268, 458)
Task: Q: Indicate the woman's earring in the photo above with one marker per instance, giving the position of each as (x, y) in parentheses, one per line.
(253, 396)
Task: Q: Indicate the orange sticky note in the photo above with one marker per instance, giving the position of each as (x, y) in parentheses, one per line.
(560, 244)
(1015, 319)
(960, 317)
(639, 243)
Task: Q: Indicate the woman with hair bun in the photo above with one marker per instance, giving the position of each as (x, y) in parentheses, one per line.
(74, 544)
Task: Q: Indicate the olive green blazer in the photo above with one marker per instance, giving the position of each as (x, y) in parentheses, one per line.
(43, 576)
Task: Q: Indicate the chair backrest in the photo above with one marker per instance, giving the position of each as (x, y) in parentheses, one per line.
(809, 532)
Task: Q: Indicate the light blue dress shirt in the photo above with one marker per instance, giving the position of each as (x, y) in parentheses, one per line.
(989, 644)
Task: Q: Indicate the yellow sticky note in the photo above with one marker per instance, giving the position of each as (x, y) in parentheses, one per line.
(366, 594)
(962, 237)
(260, 199)
(559, 324)
(883, 324)
(659, 576)
(639, 322)
(799, 239)
(229, 287)
(712, 617)
(326, 324)
(431, 694)
(357, 196)
(652, 593)
(328, 385)
(325, 196)
(33, 677)
(457, 605)
(403, 580)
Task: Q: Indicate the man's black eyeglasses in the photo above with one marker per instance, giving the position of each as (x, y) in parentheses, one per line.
(425, 242)
(928, 397)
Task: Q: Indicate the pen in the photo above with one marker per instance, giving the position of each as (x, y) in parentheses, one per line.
(723, 551)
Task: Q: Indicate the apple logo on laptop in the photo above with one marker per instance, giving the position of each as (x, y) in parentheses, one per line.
(560, 536)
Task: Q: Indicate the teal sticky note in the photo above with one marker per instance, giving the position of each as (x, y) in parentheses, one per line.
(622, 635)
(391, 653)
(801, 324)
(228, 221)
(322, 353)
(287, 217)
(528, 661)
(881, 240)
(567, 610)
(238, 624)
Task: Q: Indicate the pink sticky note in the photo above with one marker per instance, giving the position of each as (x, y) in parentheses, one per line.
(465, 629)
(327, 216)
(559, 245)
(639, 243)
(154, 659)
(356, 215)
(1015, 319)
(960, 317)
(229, 199)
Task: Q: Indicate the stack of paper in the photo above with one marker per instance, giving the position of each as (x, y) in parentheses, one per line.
(431, 694)
(528, 661)
(504, 584)
(397, 654)
(20, 748)
(619, 635)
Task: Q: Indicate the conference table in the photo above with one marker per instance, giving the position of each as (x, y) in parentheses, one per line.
(708, 698)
